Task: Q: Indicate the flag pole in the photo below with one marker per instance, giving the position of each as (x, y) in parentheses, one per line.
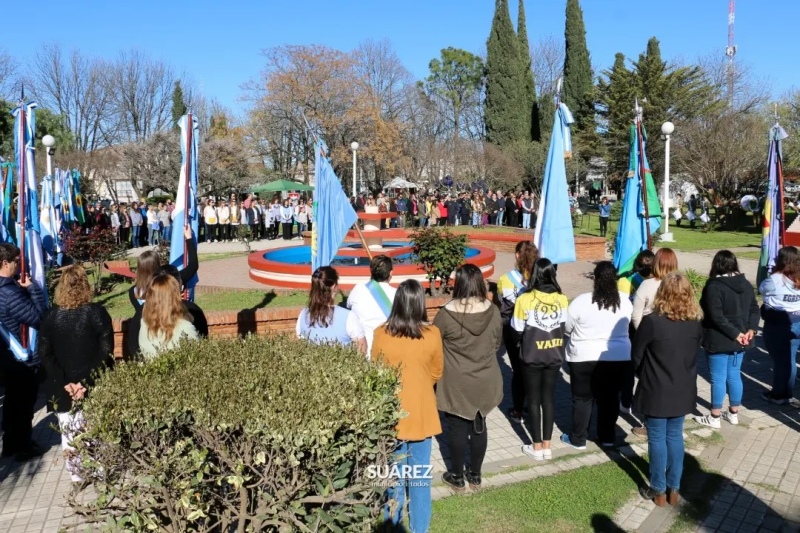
(363, 241)
(779, 163)
(189, 144)
(21, 196)
(642, 175)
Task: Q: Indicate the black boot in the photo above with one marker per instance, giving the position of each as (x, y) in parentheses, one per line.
(453, 481)
(474, 480)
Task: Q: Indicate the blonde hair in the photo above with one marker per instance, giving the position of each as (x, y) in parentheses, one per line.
(73, 288)
(665, 262)
(675, 299)
(163, 307)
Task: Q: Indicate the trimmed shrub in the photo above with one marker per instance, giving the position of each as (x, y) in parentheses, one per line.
(260, 434)
(440, 252)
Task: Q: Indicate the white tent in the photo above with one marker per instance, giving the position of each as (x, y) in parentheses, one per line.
(400, 183)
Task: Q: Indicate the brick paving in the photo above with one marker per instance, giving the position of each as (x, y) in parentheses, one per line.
(759, 467)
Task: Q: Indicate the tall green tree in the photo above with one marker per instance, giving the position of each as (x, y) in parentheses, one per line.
(528, 81)
(178, 104)
(505, 112)
(455, 80)
(617, 93)
(578, 80)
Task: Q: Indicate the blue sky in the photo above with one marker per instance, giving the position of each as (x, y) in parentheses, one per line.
(217, 43)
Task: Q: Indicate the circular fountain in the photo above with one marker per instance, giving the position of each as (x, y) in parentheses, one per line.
(291, 267)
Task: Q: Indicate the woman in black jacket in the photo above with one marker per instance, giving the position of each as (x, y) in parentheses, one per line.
(76, 339)
(665, 357)
(730, 320)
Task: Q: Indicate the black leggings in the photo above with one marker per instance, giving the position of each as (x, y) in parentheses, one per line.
(540, 386)
(287, 230)
(603, 226)
(511, 341)
(460, 431)
(599, 381)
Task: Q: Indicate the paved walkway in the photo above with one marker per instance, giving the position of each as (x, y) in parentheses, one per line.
(758, 473)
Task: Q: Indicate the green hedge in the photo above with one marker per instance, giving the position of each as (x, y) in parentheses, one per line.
(261, 434)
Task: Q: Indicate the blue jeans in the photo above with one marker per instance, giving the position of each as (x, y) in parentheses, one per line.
(526, 221)
(166, 233)
(135, 238)
(418, 489)
(782, 347)
(726, 373)
(499, 221)
(153, 240)
(476, 219)
(665, 448)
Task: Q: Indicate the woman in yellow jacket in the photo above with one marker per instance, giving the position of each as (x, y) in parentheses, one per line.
(409, 342)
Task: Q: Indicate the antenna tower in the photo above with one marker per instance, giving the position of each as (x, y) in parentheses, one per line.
(730, 50)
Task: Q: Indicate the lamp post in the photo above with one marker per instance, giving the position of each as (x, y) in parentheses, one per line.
(354, 148)
(666, 129)
(49, 142)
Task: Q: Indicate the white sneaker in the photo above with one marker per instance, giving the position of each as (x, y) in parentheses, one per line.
(732, 418)
(537, 455)
(547, 453)
(708, 420)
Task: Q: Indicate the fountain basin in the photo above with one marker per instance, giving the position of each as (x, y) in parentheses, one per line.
(291, 267)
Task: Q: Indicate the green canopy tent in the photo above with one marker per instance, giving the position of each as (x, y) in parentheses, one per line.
(280, 186)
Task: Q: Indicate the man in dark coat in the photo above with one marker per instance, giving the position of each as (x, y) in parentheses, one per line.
(511, 211)
(464, 209)
(21, 304)
(452, 211)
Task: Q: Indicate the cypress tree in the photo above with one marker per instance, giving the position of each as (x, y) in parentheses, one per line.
(528, 81)
(617, 94)
(578, 82)
(505, 116)
(178, 105)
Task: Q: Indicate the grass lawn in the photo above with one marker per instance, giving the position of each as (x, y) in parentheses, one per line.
(119, 306)
(580, 500)
(687, 239)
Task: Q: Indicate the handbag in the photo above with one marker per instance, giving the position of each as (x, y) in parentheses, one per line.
(705, 218)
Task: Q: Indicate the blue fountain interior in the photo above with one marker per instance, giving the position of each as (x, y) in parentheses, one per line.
(301, 255)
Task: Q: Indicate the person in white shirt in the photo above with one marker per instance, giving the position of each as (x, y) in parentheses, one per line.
(224, 214)
(152, 224)
(372, 301)
(115, 221)
(210, 215)
(598, 353)
(301, 216)
(287, 219)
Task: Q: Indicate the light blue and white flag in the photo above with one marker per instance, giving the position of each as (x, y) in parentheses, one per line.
(185, 211)
(553, 236)
(28, 230)
(49, 222)
(333, 214)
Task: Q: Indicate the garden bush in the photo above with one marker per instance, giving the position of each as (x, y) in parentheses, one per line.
(260, 434)
(440, 252)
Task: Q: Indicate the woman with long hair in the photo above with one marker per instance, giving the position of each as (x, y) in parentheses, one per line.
(539, 316)
(598, 353)
(75, 341)
(472, 385)
(407, 341)
(165, 320)
(781, 314)
(509, 287)
(664, 353)
(323, 321)
(665, 262)
(148, 264)
(730, 321)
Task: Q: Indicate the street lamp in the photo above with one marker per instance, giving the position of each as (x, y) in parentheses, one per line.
(49, 142)
(354, 148)
(666, 129)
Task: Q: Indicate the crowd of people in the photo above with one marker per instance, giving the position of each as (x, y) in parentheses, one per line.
(148, 224)
(646, 324)
(478, 209)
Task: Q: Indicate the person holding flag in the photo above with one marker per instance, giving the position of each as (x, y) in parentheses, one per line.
(22, 305)
(372, 301)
